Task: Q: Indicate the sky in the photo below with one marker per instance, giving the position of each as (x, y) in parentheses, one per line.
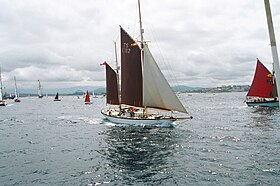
(197, 43)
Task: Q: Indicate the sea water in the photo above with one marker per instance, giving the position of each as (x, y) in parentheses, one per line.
(43, 142)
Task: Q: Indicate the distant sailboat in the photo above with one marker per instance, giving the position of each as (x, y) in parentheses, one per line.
(266, 86)
(143, 86)
(87, 99)
(16, 92)
(2, 102)
(40, 93)
(56, 98)
(93, 94)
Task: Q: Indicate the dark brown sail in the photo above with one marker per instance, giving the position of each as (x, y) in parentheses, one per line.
(131, 71)
(111, 86)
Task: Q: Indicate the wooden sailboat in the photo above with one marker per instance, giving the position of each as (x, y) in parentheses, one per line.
(16, 92)
(144, 88)
(265, 85)
(2, 101)
(40, 93)
(87, 99)
(56, 98)
(263, 89)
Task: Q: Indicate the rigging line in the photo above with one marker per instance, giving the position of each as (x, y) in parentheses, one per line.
(172, 76)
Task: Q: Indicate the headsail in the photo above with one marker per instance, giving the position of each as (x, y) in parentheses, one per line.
(262, 85)
(157, 91)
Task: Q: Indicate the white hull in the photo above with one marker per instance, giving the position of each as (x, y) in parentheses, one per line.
(136, 120)
(263, 104)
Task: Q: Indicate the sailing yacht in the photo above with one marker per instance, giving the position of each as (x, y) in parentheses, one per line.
(87, 99)
(16, 92)
(56, 98)
(263, 89)
(144, 90)
(40, 93)
(265, 86)
(2, 102)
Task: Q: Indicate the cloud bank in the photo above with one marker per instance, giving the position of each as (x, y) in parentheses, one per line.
(196, 43)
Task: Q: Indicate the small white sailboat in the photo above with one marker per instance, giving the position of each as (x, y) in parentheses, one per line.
(2, 101)
(145, 93)
(16, 92)
(40, 92)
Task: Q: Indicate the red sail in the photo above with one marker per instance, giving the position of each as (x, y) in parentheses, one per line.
(87, 99)
(131, 71)
(111, 86)
(262, 84)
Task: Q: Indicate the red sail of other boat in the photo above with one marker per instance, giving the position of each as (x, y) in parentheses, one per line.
(87, 99)
(263, 85)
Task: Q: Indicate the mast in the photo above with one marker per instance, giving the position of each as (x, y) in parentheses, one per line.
(141, 48)
(276, 68)
(141, 28)
(16, 93)
(118, 76)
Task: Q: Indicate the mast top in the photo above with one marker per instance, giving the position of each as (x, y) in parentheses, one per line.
(141, 27)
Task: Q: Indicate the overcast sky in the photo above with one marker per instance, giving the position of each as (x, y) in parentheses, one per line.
(204, 43)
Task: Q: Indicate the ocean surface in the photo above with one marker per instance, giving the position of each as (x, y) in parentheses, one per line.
(43, 142)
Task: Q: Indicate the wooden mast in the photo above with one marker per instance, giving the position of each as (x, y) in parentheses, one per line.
(276, 69)
(118, 76)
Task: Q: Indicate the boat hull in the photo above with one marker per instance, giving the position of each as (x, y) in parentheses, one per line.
(263, 104)
(137, 120)
(3, 103)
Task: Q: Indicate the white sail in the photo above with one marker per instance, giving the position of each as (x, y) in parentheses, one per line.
(156, 90)
(1, 85)
(16, 92)
(1, 95)
(40, 93)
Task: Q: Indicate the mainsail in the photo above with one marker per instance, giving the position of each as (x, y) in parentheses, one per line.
(131, 71)
(263, 84)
